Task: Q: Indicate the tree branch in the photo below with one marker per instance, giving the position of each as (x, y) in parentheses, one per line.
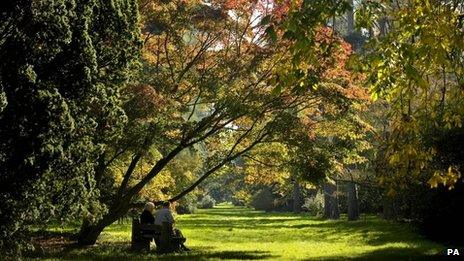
(215, 168)
(128, 173)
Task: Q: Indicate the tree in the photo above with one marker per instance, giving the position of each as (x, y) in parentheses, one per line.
(331, 204)
(224, 70)
(62, 64)
(415, 65)
(352, 200)
(424, 94)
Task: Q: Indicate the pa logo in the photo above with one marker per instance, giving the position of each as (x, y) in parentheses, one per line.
(452, 252)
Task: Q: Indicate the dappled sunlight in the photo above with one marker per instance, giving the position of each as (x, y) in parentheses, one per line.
(299, 236)
(228, 232)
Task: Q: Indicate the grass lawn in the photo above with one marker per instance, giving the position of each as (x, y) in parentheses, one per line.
(227, 232)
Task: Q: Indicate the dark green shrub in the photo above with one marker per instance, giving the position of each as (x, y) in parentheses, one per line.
(187, 205)
(237, 202)
(207, 202)
(188, 208)
(263, 200)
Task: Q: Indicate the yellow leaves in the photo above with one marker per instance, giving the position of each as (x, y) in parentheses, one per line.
(435, 180)
(258, 174)
(447, 178)
(452, 121)
(408, 152)
(154, 190)
(243, 195)
(427, 6)
(413, 70)
(411, 151)
(394, 159)
(414, 74)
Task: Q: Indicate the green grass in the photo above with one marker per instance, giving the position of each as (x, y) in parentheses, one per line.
(227, 232)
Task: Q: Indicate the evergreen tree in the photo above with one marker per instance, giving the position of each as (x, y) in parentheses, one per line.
(62, 65)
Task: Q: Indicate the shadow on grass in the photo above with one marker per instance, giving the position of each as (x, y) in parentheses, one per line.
(47, 234)
(247, 255)
(238, 225)
(374, 230)
(121, 252)
(388, 254)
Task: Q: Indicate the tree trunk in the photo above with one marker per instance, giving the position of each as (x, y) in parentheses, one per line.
(331, 208)
(383, 30)
(335, 204)
(352, 198)
(327, 201)
(389, 212)
(350, 17)
(89, 231)
(296, 197)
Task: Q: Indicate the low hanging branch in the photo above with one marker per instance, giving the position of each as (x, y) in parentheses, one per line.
(214, 169)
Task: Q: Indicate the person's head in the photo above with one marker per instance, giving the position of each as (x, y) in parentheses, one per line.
(149, 206)
(166, 204)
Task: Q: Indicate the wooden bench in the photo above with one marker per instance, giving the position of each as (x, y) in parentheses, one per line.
(140, 239)
(143, 234)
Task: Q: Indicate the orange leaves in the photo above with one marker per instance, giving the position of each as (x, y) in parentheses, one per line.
(334, 56)
(237, 4)
(281, 9)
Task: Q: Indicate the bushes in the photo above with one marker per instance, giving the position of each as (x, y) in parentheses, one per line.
(187, 208)
(187, 205)
(237, 202)
(263, 200)
(437, 211)
(207, 202)
(442, 214)
(314, 205)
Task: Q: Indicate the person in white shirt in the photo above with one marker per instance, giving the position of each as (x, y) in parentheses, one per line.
(164, 214)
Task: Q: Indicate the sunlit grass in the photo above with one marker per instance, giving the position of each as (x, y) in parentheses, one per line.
(228, 232)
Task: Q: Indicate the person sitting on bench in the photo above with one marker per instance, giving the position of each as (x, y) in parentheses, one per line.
(165, 215)
(147, 218)
(147, 215)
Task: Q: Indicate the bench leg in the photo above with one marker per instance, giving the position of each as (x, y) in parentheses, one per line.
(146, 245)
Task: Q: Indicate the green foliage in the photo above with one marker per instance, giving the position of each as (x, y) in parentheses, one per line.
(263, 200)
(370, 199)
(206, 202)
(435, 210)
(415, 72)
(62, 64)
(314, 205)
(415, 66)
(305, 30)
(187, 205)
(208, 84)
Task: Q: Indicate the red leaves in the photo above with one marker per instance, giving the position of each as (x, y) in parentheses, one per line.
(278, 9)
(334, 58)
(237, 4)
(145, 101)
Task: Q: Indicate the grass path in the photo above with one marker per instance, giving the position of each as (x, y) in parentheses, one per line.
(227, 232)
